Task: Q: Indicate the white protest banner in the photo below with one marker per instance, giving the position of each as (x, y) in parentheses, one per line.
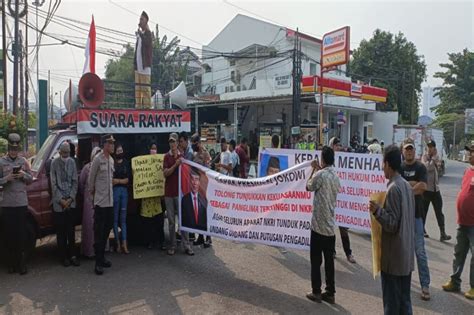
(274, 210)
(361, 175)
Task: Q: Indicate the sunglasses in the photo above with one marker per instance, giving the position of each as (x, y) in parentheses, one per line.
(15, 142)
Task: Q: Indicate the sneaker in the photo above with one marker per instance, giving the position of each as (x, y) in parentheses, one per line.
(66, 262)
(327, 297)
(425, 294)
(189, 252)
(170, 252)
(450, 286)
(469, 294)
(351, 259)
(315, 297)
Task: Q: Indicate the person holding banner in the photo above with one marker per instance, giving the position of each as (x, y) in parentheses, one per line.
(397, 218)
(326, 185)
(171, 164)
(153, 217)
(202, 157)
(194, 205)
(335, 144)
(185, 147)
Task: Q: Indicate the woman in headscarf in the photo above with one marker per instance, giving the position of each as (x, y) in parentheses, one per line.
(87, 238)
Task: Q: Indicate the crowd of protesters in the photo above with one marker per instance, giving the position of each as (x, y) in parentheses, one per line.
(105, 181)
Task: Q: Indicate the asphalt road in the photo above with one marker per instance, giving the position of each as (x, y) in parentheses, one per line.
(228, 278)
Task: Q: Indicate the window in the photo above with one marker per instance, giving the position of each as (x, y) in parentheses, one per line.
(232, 62)
(312, 68)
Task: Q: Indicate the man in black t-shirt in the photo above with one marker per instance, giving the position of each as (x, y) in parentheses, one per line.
(415, 173)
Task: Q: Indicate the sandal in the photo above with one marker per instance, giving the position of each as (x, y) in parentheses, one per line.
(425, 294)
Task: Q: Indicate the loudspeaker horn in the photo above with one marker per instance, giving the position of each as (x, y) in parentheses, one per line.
(179, 96)
(91, 90)
(71, 102)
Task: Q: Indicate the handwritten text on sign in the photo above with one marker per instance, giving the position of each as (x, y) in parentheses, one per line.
(148, 178)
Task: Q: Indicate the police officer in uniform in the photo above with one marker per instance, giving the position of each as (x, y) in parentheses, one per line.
(100, 183)
(14, 176)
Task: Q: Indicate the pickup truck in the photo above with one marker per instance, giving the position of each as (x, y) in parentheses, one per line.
(136, 130)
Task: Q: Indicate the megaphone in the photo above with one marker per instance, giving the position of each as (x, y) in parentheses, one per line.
(91, 90)
(179, 96)
(71, 102)
(157, 100)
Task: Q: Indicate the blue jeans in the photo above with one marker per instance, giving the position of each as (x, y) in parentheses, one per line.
(421, 257)
(464, 242)
(396, 294)
(120, 207)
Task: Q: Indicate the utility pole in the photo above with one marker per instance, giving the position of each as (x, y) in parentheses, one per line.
(454, 134)
(16, 52)
(4, 52)
(27, 86)
(297, 81)
(20, 74)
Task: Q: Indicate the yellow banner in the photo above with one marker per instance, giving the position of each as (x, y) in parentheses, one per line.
(376, 235)
(148, 178)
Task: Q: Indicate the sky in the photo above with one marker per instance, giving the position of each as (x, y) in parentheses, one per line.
(435, 27)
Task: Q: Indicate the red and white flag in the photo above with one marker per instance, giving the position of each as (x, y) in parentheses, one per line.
(89, 65)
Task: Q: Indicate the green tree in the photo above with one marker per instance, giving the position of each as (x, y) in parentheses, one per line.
(457, 92)
(10, 123)
(168, 69)
(448, 122)
(392, 62)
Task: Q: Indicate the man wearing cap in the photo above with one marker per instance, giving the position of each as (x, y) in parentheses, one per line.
(64, 183)
(100, 184)
(14, 176)
(465, 231)
(432, 194)
(142, 62)
(414, 172)
(171, 163)
(335, 144)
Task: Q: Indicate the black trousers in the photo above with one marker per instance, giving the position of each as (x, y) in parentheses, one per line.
(14, 227)
(65, 234)
(103, 222)
(322, 245)
(346, 242)
(154, 229)
(437, 201)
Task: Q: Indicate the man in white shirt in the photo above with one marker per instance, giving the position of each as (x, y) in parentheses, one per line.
(225, 164)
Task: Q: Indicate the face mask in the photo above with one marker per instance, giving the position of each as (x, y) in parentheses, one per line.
(195, 147)
(152, 151)
(119, 156)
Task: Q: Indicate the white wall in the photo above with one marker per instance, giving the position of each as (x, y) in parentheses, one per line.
(383, 126)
